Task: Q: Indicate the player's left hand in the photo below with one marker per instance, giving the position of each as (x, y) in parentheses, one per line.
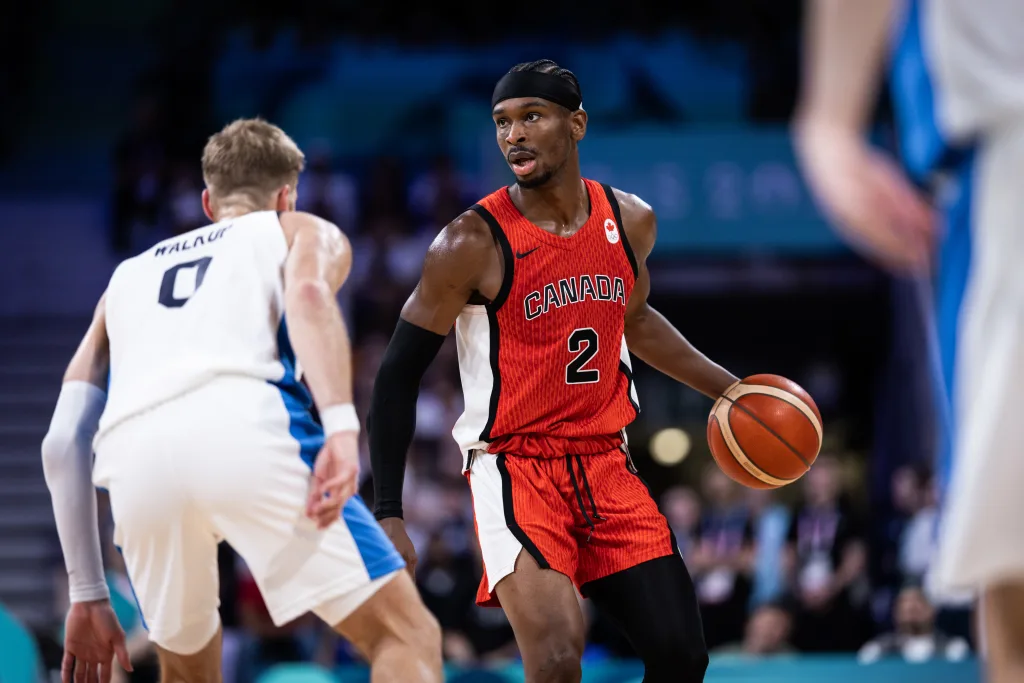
(335, 478)
(92, 637)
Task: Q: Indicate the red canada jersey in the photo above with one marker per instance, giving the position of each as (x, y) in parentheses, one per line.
(544, 366)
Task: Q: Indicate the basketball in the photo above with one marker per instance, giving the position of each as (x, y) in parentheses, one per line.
(765, 431)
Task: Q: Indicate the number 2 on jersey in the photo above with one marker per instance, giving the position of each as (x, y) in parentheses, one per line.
(174, 288)
(582, 342)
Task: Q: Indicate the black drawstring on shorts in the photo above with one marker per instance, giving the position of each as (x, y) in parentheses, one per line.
(587, 517)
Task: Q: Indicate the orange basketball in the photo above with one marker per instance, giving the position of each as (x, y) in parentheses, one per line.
(765, 431)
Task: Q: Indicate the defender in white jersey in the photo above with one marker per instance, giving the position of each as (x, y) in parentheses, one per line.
(958, 91)
(208, 433)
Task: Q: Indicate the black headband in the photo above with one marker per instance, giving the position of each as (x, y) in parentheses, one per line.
(535, 84)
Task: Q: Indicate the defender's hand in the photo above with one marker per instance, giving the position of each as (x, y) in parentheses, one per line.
(869, 200)
(335, 478)
(394, 527)
(92, 637)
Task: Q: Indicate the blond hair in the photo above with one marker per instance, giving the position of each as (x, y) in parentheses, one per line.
(249, 160)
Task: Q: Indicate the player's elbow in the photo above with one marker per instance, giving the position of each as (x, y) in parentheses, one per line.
(636, 329)
(307, 294)
(57, 449)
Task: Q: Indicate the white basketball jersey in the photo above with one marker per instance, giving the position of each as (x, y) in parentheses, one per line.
(194, 307)
(976, 48)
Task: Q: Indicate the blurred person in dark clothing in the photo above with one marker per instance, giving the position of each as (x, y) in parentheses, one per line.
(917, 550)
(915, 638)
(487, 630)
(448, 580)
(384, 193)
(770, 520)
(722, 561)
(905, 499)
(920, 534)
(231, 623)
(767, 633)
(139, 175)
(385, 263)
(184, 212)
(825, 558)
(681, 506)
(328, 193)
(438, 195)
(268, 644)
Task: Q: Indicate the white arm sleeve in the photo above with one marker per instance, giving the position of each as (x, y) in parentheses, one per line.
(67, 466)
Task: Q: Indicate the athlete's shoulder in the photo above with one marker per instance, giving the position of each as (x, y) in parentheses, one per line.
(292, 222)
(633, 208)
(468, 237)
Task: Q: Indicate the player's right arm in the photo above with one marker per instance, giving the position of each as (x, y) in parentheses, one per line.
(453, 271)
(318, 263)
(92, 635)
(867, 198)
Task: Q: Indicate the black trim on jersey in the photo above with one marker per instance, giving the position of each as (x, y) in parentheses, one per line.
(506, 254)
(629, 388)
(492, 409)
(614, 203)
(510, 515)
(492, 314)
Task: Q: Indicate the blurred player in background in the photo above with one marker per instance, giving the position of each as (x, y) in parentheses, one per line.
(546, 282)
(209, 433)
(958, 77)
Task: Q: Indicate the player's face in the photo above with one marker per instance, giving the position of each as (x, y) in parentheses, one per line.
(535, 137)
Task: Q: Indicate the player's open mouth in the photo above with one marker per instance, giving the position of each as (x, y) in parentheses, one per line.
(522, 162)
(524, 167)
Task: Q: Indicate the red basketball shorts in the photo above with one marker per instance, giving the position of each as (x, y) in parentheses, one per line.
(585, 516)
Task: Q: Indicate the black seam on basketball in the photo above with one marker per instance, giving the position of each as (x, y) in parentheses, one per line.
(762, 393)
(777, 398)
(755, 418)
(728, 420)
(510, 515)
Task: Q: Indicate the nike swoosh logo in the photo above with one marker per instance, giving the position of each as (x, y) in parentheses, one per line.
(524, 254)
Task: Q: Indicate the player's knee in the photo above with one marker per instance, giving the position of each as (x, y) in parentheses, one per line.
(199, 665)
(412, 628)
(672, 656)
(558, 663)
(424, 635)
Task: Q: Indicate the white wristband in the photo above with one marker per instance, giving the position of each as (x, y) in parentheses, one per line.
(340, 417)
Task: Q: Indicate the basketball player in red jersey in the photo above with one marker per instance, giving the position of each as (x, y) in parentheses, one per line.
(546, 283)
